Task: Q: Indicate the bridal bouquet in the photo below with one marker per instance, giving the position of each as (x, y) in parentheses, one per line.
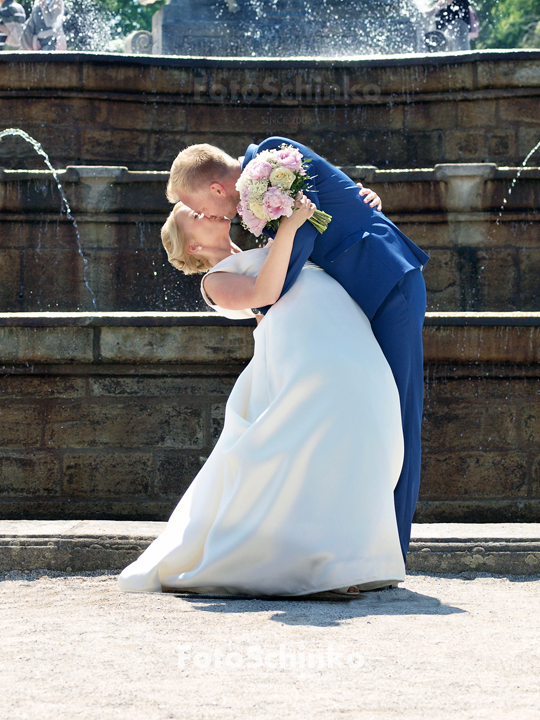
(268, 187)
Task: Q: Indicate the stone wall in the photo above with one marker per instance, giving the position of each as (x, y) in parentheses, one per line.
(481, 258)
(406, 111)
(112, 416)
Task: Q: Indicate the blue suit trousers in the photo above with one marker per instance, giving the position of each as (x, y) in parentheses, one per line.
(397, 325)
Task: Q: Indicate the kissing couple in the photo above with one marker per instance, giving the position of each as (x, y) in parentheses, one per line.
(313, 483)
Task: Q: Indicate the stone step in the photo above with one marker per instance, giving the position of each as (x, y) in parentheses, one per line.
(85, 545)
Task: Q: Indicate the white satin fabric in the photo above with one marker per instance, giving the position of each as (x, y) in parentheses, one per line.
(297, 495)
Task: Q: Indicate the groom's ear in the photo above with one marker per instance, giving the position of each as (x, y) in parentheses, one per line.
(217, 188)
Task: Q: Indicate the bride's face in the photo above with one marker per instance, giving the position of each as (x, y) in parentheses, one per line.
(202, 230)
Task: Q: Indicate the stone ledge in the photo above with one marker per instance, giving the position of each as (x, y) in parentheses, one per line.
(195, 338)
(445, 172)
(79, 545)
(178, 61)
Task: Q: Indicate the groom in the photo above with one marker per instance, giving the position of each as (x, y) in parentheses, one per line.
(363, 250)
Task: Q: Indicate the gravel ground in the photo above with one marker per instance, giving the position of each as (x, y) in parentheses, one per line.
(442, 647)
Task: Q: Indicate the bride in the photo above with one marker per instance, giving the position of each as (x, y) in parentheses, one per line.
(297, 495)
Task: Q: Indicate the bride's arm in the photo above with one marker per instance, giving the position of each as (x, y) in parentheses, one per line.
(237, 292)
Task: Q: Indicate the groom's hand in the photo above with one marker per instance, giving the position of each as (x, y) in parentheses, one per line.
(370, 197)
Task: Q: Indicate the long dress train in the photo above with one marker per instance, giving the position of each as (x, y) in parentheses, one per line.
(297, 495)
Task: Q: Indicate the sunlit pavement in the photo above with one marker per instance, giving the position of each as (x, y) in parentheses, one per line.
(436, 647)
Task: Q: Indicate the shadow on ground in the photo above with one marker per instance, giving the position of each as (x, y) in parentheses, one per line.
(324, 610)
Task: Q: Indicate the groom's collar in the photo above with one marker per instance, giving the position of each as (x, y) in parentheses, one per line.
(250, 154)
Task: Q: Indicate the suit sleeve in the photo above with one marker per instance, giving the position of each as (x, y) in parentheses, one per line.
(305, 235)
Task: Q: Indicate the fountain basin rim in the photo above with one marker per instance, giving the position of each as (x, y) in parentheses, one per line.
(157, 319)
(405, 59)
(370, 173)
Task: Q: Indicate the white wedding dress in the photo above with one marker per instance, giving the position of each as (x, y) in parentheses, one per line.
(297, 495)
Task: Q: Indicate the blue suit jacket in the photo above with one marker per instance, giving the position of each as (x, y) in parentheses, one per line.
(361, 248)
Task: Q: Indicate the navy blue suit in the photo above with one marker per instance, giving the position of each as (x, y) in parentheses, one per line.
(382, 271)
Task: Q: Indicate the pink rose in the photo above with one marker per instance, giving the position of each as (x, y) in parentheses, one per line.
(254, 224)
(290, 158)
(258, 169)
(276, 203)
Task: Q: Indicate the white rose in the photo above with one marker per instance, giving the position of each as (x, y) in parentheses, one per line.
(241, 182)
(282, 177)
(258, 210)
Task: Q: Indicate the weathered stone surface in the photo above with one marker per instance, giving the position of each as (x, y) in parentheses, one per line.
(28, 474)
(217, 417)
(172, 387)
(41, 387)
(174, 473)
(124, 440)
(20, 424)
(441, 108)
(135, 424)
(483, 259)
(472, 475)
(486, 344)
(45, 345)
(10, 275)
(107, 474)
(197, 345)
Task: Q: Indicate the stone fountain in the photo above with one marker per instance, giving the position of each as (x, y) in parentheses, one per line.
(108, 412)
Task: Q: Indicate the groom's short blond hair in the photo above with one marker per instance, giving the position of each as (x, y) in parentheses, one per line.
(196, 166)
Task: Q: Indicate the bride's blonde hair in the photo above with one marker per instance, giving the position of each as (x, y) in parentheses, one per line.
(174, 241)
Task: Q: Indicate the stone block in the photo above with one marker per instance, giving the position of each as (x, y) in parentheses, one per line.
(36, 231)
(10, 279)
(520, 110)
(497, 279)
(20, 424)
(45, 345)
(175, 471)
(481, 426)
(177, 344)
(501, 145)
(217, 418)
(29, 473)
(501, 390)
(26, 386)
(529, 266)
(47, 270)
(124, 424)
(530, 420)
(429, 116)
(27, 75)
(423, 149)
(442, 280)
(462, 146)
(527, 139)
(98, 146)
(404, 81)
(390, 117)
(164, 147)
(158, 117)
(107, 474)
(371, 146)
(126, 278)
(467, 475)
(477, 113)
(171, 387)
(477, 344)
